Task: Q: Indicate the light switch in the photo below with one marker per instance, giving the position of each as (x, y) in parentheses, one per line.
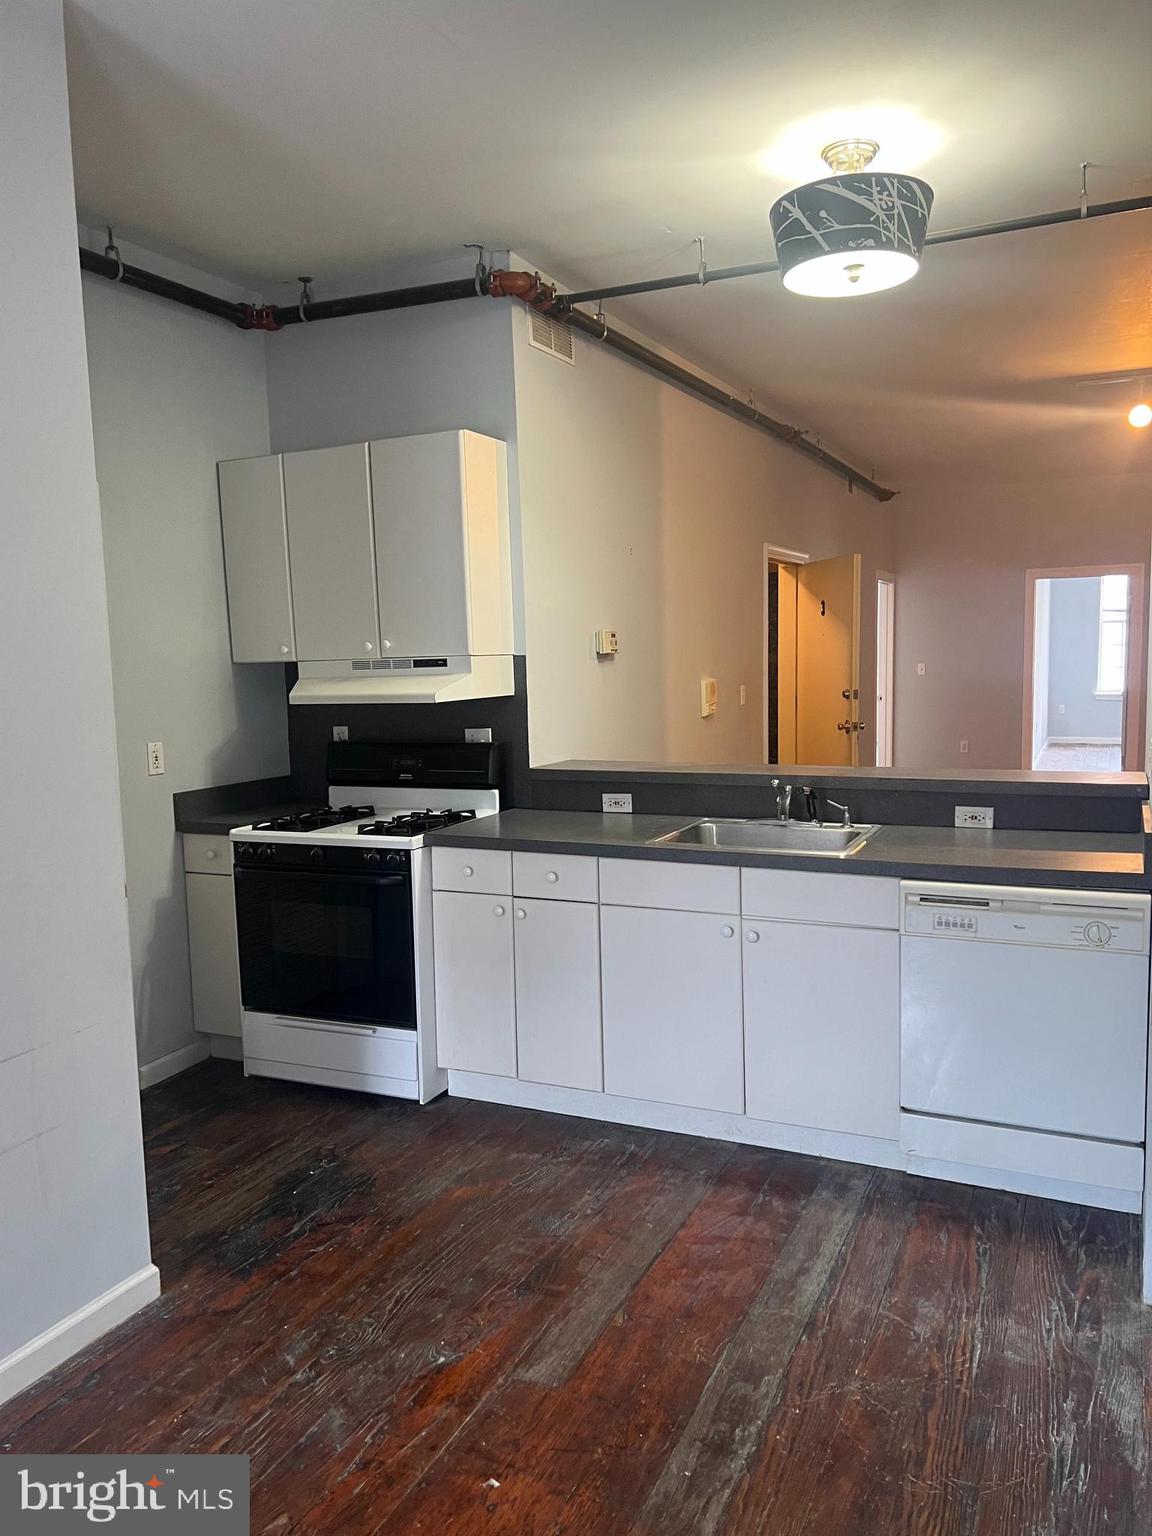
(707, 697)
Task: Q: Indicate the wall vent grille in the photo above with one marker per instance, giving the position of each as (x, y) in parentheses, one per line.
(548, 335)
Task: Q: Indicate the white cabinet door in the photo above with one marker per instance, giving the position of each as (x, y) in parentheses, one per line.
(331, 549)
(822, 1026)
(212, 953)
(443, 569)
(256, 560)
(475, 988)
(558, 993)
(672, 1014)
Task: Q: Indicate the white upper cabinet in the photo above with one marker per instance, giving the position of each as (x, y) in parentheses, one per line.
(331, 546)
(443, 571)
(399, 548)
(256, 560)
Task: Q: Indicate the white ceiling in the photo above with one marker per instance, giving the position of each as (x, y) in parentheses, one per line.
(263, 138)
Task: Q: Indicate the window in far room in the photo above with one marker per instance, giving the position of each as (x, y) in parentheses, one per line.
(1112, 648)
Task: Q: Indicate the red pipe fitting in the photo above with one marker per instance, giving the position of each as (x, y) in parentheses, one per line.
(528, 286)
(259, 317)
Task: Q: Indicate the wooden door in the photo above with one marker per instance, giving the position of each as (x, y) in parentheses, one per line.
(828, 662)
(673, 1027)
(330, 546)
(475, 996)
(558, 993)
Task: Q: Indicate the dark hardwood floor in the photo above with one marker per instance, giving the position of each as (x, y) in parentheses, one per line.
(472, 1319)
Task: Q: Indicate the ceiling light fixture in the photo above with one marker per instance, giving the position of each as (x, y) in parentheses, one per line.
(854, 231)
(1141, 414)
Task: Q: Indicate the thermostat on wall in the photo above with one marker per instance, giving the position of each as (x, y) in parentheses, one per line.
(606, 642)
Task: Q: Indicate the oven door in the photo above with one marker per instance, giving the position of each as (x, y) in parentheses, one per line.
(319, 945)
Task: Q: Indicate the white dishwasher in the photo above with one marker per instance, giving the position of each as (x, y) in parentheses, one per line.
(1024, 1031)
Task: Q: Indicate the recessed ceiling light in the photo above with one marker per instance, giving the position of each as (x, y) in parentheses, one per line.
(855, 231)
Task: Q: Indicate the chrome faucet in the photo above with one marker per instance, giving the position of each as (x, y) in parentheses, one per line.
(783, 800)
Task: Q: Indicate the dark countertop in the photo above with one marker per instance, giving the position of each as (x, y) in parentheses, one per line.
(1005, 781)
(215, 811)
(220, 823)
(1091, 860)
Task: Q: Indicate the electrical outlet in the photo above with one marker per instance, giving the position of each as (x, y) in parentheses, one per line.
(1059, 709)
(477, 733)
(974, 816)
(618, 803)
(743, 694)
(339, 733)
(963, 746)
(920, 669)
(155, 758)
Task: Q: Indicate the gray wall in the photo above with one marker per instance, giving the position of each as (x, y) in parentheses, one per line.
(173, 391)
(1073, 639)
(73, 1221)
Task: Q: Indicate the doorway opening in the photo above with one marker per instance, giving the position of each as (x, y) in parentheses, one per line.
(811, 659)
(1083, 703)
(885, 667)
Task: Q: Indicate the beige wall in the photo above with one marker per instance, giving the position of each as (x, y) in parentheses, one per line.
(647, 511)
(962, 551)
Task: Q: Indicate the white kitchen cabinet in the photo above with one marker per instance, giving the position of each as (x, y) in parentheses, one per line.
(475, 985)
(443, 570)
(557, 965)
(212, 951)
(331, 546)
(822, 1026)
(256, 570)
(672, 1006)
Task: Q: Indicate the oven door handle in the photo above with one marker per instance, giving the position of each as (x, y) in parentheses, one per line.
(328, 875)
(342, 1028)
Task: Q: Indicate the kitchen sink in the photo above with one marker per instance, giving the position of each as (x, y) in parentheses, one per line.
(805, 838)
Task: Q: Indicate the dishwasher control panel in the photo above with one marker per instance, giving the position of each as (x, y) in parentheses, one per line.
(1095, 920)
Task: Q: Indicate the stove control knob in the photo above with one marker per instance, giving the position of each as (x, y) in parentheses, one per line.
(1098, 934)
(265, 851)
(316, 855)
(371, 856)
(395, 859)
(245, 851)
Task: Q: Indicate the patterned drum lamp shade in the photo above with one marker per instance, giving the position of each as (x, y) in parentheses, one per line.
(851, 234)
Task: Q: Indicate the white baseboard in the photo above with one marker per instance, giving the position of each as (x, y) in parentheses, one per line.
(1082, 741)
(75, 1332)
(176, 1061)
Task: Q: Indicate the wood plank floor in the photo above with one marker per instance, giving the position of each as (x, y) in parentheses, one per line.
(471, 1319)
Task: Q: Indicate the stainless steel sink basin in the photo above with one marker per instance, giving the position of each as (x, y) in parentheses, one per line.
(805, 838)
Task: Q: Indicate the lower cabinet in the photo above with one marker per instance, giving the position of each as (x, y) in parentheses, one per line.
(475, 987)
(557, 965)
(822, 1026)
(672, 1007)
(211, 902)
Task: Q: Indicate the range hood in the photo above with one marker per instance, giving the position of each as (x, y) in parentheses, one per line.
(403, 680)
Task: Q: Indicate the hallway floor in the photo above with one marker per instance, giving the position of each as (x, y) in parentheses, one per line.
(1078, 757)
(471, 1319)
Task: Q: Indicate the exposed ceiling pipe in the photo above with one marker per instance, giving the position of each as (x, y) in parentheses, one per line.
(162, 287)
(742, 410)
(946, 237)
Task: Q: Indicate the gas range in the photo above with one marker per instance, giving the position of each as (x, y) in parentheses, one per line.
(328, 826)
(334, 919)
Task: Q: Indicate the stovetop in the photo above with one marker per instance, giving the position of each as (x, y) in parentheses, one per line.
(394, 825)
(413, 823)
(314, 819)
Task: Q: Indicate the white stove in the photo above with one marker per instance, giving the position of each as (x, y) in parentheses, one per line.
(334, 919)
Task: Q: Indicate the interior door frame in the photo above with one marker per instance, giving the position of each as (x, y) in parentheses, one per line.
(786, 561)
(1133, 745)
(888, 579)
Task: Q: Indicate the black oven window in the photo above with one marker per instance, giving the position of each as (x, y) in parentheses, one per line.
(327, 946)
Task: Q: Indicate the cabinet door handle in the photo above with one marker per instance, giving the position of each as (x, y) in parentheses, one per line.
(520, 912)
(468, 871)
(367, 645)
(284, 650)
(209, 853)
(385, 645)
(551, 877)
(728, 931)
(752, 936)
(498, 911)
